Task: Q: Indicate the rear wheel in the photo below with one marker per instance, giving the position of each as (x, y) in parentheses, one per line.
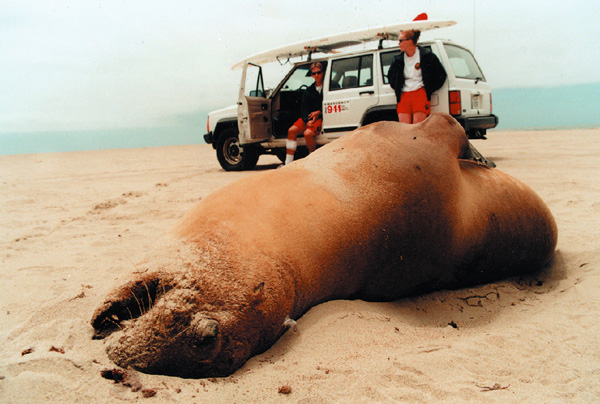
(232, 156)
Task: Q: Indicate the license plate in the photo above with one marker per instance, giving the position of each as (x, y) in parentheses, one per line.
(476, 101)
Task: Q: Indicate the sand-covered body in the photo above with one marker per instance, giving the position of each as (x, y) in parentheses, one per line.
(387, 211)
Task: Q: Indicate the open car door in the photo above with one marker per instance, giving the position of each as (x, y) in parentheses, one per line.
(254, 109)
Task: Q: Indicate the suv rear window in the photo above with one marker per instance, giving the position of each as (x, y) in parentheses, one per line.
(386, 61)
(463, 63)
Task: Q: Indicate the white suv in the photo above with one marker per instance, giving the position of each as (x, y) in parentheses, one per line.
(355, 93)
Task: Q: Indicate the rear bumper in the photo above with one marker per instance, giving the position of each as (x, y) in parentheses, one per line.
(478, 122)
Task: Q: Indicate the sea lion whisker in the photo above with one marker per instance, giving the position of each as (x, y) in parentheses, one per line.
(116, 323)
(133, 264)
(140, 306)
(185, 329)
(164, 290)
(129, 311)
(150, 303)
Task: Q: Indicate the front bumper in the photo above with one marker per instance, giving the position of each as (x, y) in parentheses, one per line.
(208, 138)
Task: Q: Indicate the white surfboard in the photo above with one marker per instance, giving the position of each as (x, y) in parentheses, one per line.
(330, 43)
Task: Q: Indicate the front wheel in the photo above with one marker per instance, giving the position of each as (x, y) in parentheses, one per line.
(232, 156)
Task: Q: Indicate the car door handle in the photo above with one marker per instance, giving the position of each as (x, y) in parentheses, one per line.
(366, 92)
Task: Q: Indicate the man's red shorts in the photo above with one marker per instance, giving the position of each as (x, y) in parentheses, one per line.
(414, 101)
(315, 126)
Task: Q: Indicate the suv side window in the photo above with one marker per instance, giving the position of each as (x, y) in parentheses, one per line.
(351, 73)
(254, 82)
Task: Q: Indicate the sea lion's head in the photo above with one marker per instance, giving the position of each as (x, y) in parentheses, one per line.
(185, 319)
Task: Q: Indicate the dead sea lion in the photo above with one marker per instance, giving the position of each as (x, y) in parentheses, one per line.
(387, 211)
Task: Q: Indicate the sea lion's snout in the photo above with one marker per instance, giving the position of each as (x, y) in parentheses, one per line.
(164, 341)
(157, 324)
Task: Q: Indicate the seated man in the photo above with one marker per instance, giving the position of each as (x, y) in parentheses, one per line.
(310, 121)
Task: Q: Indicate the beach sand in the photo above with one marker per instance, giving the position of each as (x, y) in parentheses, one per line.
(74, 223)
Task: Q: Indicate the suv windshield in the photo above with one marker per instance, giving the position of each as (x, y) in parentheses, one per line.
(463, 63)
(300, 77)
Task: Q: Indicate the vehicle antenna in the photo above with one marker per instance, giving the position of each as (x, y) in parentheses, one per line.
(474, 23)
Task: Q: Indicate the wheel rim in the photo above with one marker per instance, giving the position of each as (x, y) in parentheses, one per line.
(232, 151)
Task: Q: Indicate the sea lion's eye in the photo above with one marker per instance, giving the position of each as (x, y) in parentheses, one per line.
(205, 329)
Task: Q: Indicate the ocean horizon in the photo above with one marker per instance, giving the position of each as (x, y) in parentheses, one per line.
(98, 139)
(544, 108)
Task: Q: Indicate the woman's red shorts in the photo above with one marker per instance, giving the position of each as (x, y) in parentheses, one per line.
(414, 101)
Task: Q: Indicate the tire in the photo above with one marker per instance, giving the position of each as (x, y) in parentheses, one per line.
(232, 156)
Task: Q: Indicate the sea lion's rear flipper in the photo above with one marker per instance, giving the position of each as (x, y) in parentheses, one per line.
(475, 155)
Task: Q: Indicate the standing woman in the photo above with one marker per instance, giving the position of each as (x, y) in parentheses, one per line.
(415, 74)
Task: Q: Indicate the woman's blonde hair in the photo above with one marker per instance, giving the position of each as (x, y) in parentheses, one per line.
(413, 35)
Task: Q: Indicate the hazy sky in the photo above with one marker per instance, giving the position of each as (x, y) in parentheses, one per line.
(92, 64)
